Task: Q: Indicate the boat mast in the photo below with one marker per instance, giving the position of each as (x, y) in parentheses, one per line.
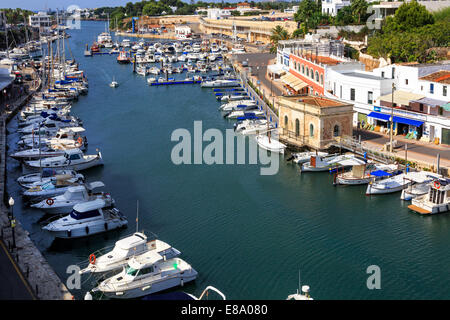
(6, 34)
(137, 215)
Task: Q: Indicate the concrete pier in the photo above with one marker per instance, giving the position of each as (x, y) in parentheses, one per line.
(29, 266)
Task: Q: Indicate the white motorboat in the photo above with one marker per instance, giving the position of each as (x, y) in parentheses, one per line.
(114, 84)
(220, 83)
(253, 114)
(50, 125)
(65, 202)
(437, 200)
(125, 43)
(154, 70)
(146, 274)
(70, 137)
(421, 184)
(265, 141)
(28, 180)
(303, 295)
(142, 71)
(235, 105)
(248, 127)
(124, 250)
(72, 159)
(52, 187)
(86, 219)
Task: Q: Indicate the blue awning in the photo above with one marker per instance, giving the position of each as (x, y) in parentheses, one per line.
(408, 121)
(387, 117)
(379, 116)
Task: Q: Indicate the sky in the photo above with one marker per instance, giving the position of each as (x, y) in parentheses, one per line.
(35, 5)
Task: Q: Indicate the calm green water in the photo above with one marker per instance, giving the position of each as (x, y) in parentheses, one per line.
(246, 234)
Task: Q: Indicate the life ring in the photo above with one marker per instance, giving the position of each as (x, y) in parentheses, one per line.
(437, 184)
(50, 201)
(92, 259)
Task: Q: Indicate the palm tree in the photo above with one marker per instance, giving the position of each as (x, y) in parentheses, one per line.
(359, 8)
(278, 33)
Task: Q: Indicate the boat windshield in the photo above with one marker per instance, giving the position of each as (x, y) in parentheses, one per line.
(131, 271)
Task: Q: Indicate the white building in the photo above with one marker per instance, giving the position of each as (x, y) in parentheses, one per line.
(40, 20)
(183, 32)
(420, 100)
(293, 9)
(216, 13)
(331, 7)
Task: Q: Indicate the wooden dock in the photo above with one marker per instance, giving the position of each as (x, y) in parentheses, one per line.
(418, 209)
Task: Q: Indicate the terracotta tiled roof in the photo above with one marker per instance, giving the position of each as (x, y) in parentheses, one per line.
(442, 76)
(320, 102)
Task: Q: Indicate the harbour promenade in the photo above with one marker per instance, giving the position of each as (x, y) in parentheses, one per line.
(26, 272)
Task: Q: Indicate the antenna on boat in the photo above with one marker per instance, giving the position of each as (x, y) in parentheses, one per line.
(299, 282)
(137, 215)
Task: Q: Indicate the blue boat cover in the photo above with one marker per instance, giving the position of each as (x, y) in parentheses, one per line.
(380, 173)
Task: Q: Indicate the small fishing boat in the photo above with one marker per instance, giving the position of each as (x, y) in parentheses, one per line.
(123, 57)
(146, 274)
(72, 159)
(114, 84)
(32, 154)
(256, 126)
(437, 200)
(388, 185)
(302, 157)
(303, 295)
(363, 173)
(126, 248)
(318, 163)
(65, 202)
(86, 219)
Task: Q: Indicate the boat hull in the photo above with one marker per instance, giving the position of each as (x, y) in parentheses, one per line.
(81, 231)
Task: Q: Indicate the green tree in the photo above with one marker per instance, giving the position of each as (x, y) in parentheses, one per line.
(359, 8)
(278, 33)
(309, 12)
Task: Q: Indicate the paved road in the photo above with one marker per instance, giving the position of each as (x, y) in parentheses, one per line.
(415, 147)
(258, 63)
(13, 285)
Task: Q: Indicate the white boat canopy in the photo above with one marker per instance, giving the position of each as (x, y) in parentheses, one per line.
(90, 205)
(147, 259)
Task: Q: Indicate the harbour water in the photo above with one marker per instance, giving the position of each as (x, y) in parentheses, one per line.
(244, 233)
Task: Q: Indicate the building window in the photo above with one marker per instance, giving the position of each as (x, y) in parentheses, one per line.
(421, 107)
(370, 97)
(321, 79)
(382, 74)
(311, 130)
(336, 131)
(286, 122)
(352, 94)
(312, 73)
(406, 81)
(393, 72)
(317, 76)
(444, 91)
(307, 72)
(295, 65)
(431, 87)
(303, 69)
(297, 127)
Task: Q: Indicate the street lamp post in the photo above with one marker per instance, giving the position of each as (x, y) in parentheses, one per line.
(392, 119)
(13, 221)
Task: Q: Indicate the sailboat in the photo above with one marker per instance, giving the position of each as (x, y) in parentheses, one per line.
(264, 141)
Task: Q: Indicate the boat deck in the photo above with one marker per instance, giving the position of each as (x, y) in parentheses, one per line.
(175, 82)
(418, 209)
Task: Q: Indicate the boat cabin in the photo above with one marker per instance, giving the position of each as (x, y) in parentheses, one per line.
(89, 209)
(436, 201)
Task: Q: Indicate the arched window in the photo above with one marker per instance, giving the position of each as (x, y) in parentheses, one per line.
(307, 72)
(321, 79)
(311, 130)
(286, 122)
(312, 73)
(303, 69)
(295, 65)
(297, 127)
(336, 131)
(317, 76)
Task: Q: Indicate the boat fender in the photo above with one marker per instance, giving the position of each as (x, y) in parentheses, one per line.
(69, 233)
(182, 282)
(437, 185)
(106, 226)
(50, 201)
(87, 230)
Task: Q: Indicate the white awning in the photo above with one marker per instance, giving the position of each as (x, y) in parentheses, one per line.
(276, 68)
(294, 82)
